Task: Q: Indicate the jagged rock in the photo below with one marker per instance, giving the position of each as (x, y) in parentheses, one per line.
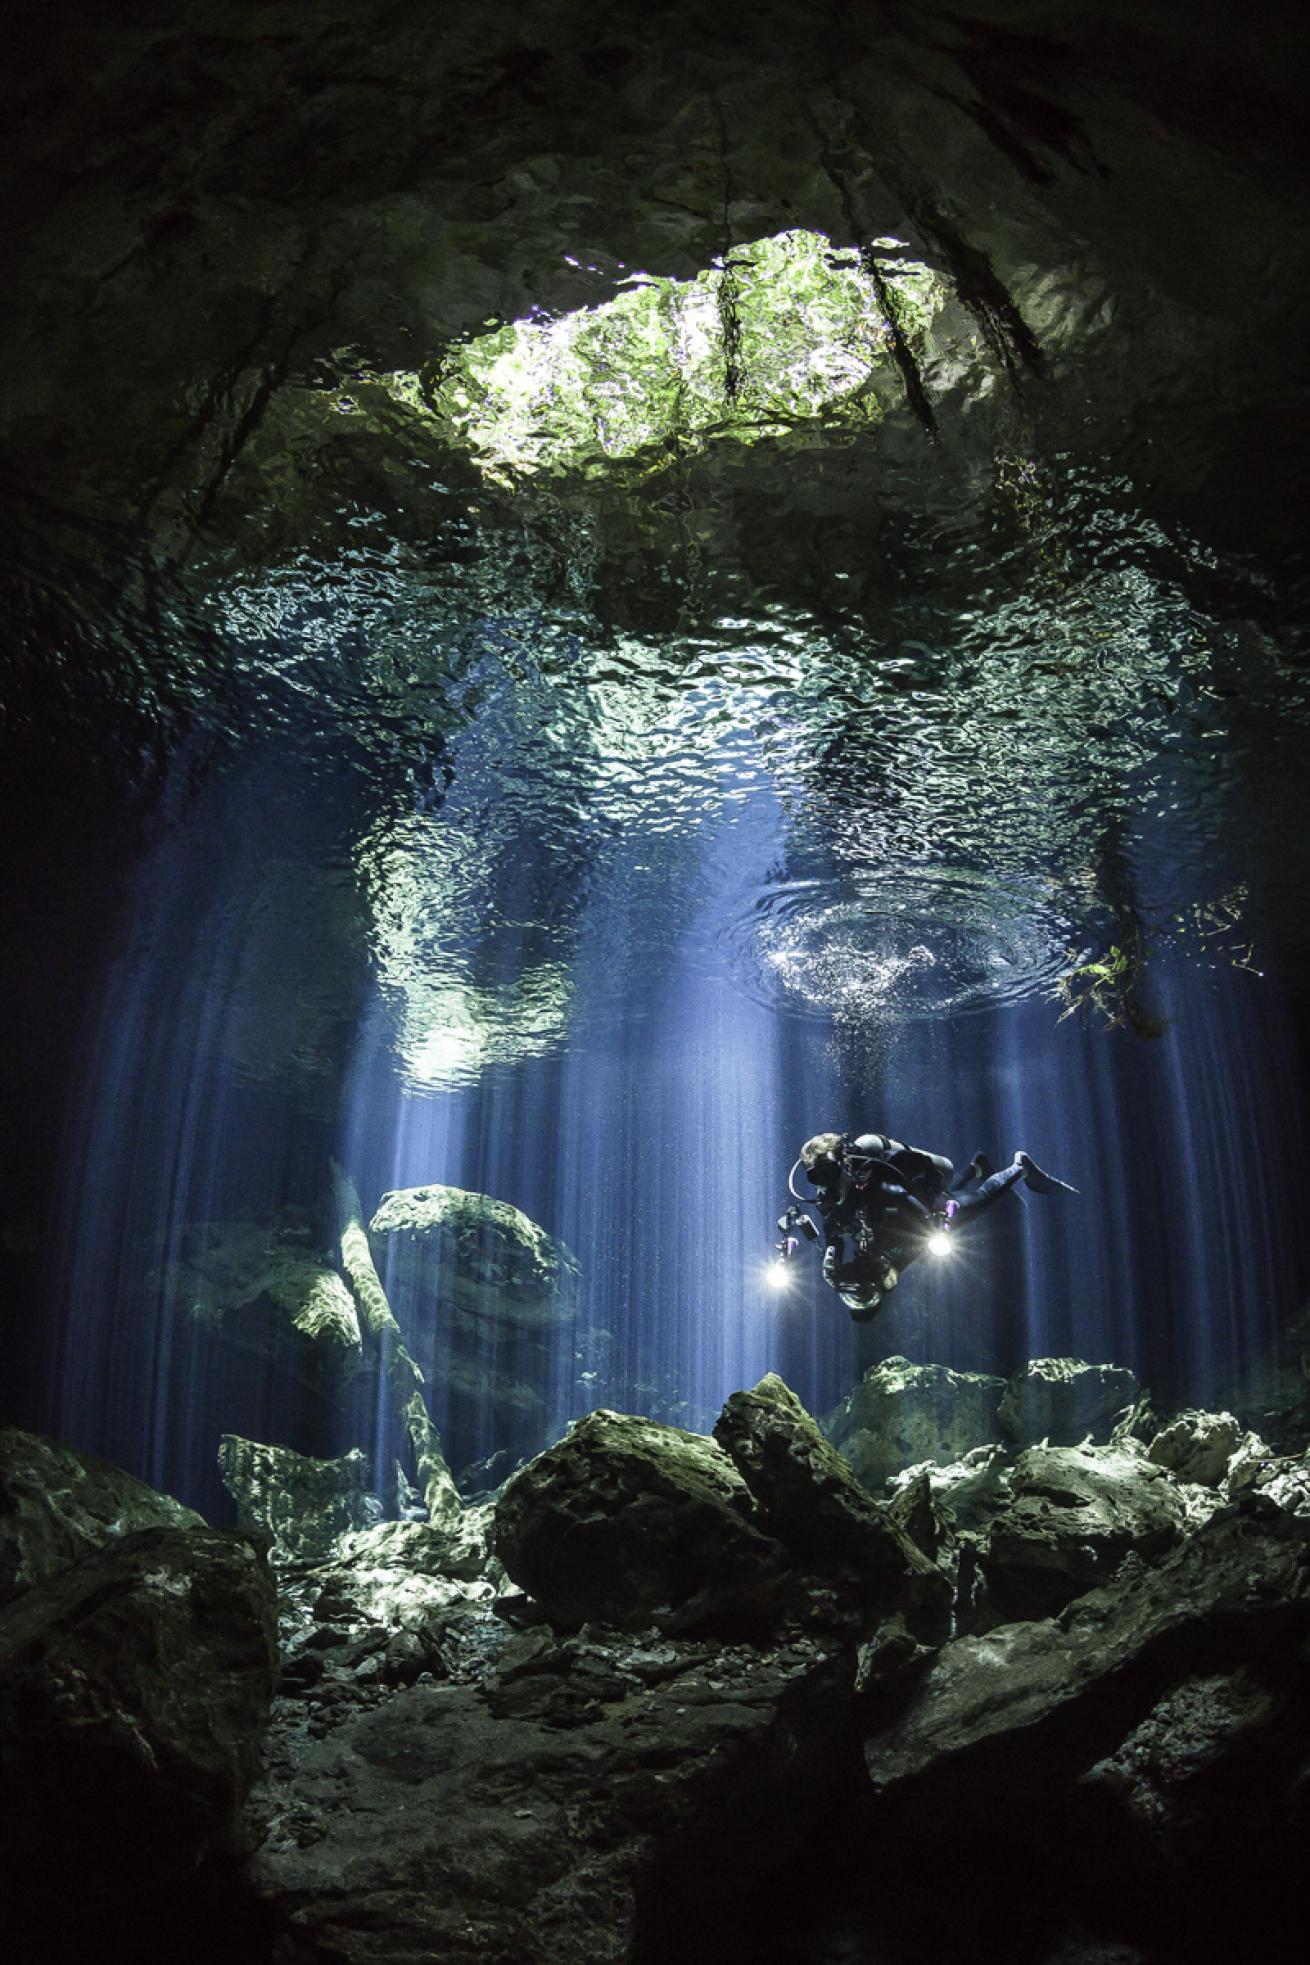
(968, 1492)
(301, 1504)
(482, 1479)
(1167, 1772)
(892, 1655)
(398, 1574)
(58, 1503)
(915, 1512)
(629, 1522)
(1198, 1446)
(1074, 1514)
(318, 1304)
(1065, 1401)
(1068, 1688)
(1283, 1479)
(229, 1267)
(809, 1499)
(901, 1414)
(528, 1808)
(1138, 1422)
(135, 1688)
(484, 1257)
(1249, 1462)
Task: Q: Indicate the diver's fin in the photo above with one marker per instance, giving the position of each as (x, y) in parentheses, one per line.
(1039, 1182)
(979, 1168)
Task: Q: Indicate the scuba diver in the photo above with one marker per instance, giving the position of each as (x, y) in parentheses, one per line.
(883, 1205)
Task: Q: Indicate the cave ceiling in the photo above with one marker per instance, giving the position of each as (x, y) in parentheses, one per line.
(301, 430)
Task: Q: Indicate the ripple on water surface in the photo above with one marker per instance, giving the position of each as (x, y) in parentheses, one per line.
(925, 943)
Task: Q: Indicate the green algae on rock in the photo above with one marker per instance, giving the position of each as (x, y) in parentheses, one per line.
(1064, 1401)
(808, 1497)
(901, 1414)
(1074, 1513)
(58, 1504)
(781, 332)
(634, 1523)
(484, 1256)
(302, 1504)
(226, 1267)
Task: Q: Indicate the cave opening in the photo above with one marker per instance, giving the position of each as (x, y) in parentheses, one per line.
(590, 598)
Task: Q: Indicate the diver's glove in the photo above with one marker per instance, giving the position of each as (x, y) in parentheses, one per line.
(796, 1222)
(1039, 1182)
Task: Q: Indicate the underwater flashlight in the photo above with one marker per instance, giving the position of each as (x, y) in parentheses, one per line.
(939, 1242)
(778, 1276)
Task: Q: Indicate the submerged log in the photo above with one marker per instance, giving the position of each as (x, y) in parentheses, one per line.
(434, 1476)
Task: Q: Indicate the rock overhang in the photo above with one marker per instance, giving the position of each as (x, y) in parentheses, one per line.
(232, 213)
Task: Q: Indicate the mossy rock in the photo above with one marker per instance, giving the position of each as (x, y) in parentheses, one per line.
(482, 1256)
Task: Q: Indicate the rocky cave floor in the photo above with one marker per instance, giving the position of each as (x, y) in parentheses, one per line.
(1032, 1687)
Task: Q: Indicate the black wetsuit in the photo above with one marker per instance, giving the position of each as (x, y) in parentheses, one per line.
(872, 1230)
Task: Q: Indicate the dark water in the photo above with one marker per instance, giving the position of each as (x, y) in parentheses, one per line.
(598, 891)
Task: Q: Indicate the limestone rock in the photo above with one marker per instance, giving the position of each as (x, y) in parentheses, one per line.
(228, 1267)
(968, 1493)
(301, 1504)
(1065, 1401)
(915, 1512)
(58, 1503)
(629, 1522)
(901, 1414)
(398, 1574)
(1074, 1514)
(483, 1256)
(810, 1500)
(1164, 1771)
(521, 1813)
(1198, 1446)
(136, 1685)
(318, 1303)
(1062, 1687)
(483, 1479)
(1283, 1479)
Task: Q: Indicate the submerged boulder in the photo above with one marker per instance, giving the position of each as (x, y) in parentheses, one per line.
(1283, 1479)
(1176, 1772)
(901, 1414)
(482, 1256)
(135, 1688)
(398, 1575)
(631, 1523)
(1198, 1446)
(966, 1493)
(1073, 1515)
(58, 1504)
(810, 1500)
(1135, 1765)
(1063, 1690)
(258, 1281)
(1065, 1401)
(301, 1504)
(318, 1303)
